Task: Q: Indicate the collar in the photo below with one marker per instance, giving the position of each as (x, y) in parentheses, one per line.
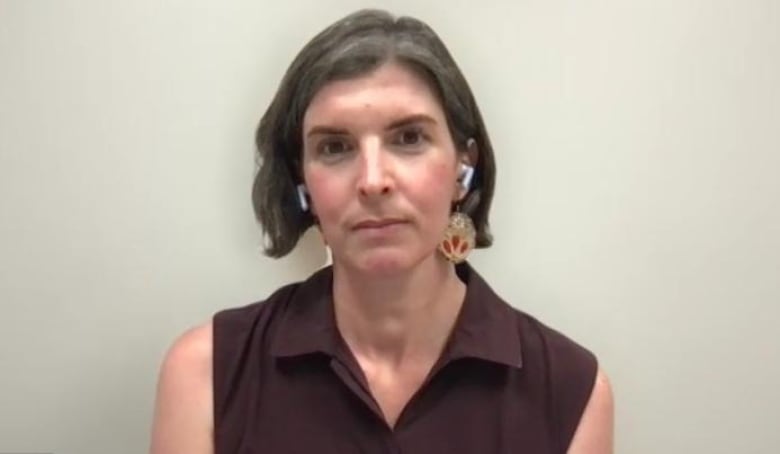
(486, 327)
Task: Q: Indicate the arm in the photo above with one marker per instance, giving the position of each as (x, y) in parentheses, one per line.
(183, 417)
(594, 433)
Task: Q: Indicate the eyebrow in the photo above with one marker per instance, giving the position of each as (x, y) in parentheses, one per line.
(411, 119)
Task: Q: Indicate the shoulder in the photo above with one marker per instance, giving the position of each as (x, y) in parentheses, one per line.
(579, 390)
(188, 360)
(192, 351)
(595, 431)
(539, 343)
(233, 323)
(183, 407)
(564, 355)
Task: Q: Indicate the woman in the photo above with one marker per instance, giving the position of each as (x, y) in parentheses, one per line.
(375, 138)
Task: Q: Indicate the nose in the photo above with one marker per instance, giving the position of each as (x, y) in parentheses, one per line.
(375, 179)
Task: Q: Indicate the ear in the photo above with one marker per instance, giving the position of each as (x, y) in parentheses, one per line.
(466, 157)
(470, 156)
(303, 197)
(305, 201)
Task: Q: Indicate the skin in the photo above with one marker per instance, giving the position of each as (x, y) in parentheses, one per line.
(376, 149)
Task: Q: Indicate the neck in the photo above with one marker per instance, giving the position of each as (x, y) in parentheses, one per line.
(406, 316)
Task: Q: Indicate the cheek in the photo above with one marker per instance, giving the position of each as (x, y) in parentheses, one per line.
(326, 194)
(436, 187)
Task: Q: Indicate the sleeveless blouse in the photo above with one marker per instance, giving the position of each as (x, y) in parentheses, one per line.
(286, 383)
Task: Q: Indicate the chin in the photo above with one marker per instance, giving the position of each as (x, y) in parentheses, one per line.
(386, 262)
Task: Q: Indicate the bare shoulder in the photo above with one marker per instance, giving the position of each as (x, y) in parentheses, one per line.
(594, 433)
(183, 420)
(192, 351)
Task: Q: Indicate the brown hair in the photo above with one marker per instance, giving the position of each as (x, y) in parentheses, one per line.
(353, 46)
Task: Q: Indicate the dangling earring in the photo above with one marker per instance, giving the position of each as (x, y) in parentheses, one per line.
(460, 234)
(302, 198)
(459, 238)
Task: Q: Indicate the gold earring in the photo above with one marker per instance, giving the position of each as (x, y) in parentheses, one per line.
(459, 237)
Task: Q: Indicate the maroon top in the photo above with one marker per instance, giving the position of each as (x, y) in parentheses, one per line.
(285, 382)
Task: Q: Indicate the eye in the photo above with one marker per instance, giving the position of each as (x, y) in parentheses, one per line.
(410, 137)
(333, 147)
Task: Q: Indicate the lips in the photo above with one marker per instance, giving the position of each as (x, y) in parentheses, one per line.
(377, 223)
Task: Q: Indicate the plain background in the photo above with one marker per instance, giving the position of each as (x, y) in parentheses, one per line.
(637, 206)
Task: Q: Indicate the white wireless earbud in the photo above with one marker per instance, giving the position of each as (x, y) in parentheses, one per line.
(467, 174)
(302, 197)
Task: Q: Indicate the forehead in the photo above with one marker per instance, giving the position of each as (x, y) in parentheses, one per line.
(392, 89)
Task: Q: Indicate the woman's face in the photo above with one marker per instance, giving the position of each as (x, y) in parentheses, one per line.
(381, 169)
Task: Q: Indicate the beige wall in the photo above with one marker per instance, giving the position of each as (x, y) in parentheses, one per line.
(637, 207)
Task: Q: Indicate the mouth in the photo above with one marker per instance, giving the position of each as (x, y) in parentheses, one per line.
(377, 224)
